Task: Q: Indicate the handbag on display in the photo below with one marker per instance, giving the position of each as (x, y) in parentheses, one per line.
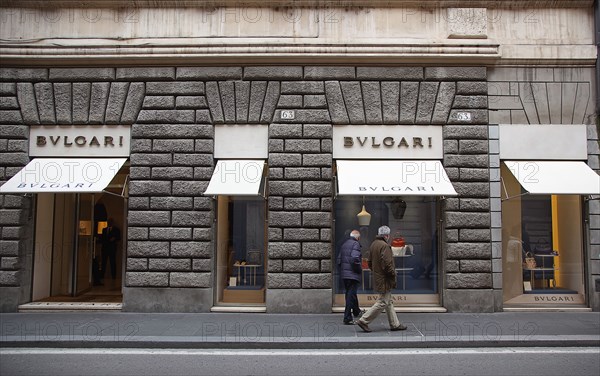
(529, 261)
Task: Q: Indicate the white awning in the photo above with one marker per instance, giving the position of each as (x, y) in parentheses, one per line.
(237, 177)
(64, 175)
(555, 177)
(393, 178)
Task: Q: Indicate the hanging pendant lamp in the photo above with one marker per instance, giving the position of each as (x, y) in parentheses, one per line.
(364, 218)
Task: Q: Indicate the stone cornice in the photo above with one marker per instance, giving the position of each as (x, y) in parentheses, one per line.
(297, 3)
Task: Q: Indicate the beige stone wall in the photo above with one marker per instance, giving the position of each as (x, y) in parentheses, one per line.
(226, 34)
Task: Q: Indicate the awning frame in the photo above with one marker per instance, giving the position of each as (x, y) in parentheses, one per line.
(262, 189)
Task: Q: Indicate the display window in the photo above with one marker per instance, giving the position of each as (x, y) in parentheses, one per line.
(414, 240)
(241, 245)
(542, 253)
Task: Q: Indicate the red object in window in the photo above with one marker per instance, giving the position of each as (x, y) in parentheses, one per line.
(398, 242)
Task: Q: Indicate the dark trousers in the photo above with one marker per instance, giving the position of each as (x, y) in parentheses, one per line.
(352, 307)
(109, 254)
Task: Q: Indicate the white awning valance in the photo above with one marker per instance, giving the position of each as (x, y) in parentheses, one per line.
(64, 175)
(393, 178)
(237, 177)
(555, 177)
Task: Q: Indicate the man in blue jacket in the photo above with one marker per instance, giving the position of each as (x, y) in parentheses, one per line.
(349, 261)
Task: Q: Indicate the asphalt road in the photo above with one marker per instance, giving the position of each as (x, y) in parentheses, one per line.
(476, 361)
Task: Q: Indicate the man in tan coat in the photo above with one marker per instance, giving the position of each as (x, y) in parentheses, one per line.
(381, 263)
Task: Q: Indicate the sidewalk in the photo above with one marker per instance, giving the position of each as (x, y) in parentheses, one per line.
(287, 331)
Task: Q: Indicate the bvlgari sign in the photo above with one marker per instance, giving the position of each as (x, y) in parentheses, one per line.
(79, 141)
(387, 142)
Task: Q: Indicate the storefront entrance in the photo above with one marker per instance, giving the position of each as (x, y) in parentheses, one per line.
(68, 255)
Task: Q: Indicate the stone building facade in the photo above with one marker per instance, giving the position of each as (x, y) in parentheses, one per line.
(171, 229)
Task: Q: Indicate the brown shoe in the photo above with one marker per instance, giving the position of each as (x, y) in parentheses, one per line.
(399, 327)
(363, 326)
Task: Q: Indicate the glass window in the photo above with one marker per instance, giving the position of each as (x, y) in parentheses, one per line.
(241, 250)
(542, 247)
(412, 218)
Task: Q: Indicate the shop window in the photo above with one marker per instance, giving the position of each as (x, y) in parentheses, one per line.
(542, 247)
(412, 218)
(241, 244)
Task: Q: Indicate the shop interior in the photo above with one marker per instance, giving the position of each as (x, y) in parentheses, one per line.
(68, 258)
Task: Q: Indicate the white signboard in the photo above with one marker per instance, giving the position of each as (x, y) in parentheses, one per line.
(79, 141)
(543, 142)
(388, 142)
(241, 141)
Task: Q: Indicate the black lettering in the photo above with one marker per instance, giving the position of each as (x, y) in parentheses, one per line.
(403, 142)
(389, 141)
(94, 141)
(41, 141)
(54, 141)
(373, 143)
(348, 143)
(80, 140)
(417, 141)
(108, 140)
(67, 143)
(361, 142)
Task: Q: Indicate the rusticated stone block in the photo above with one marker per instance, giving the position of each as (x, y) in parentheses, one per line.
(147, 159)
(390, 73)
(258, 91)
(161, 264)
(469, 281)
(167, 116)
(273, 73)
(190, 279)
(372, 101)
(191, 218)
(137, 264)
(474, 174)
(275, 266)
(13, 217)
(301, 266)
(475, 266)
(472, 189)
(147, 249)
(146, 73)
(171, 131)
(409, 95)
(137, 233)
(202, 234)
(326, 266)
(149, 218)
(285, 131)
(302, 173)
(325, 234)
(443, 103)
(226, 89)
(427, 95)
(316, 188)
(191, 249)
(209, 73)
(475, 204)
(270, 102)
(147, 279)
(9, 278)
(303, 87)
(467, 220)
(285, 219)
(139, 203)
(461, 251)
(316, 250)
(14, 131)
(475, 235)
(456, 73)
(8, 88)
(170, 233)
(169, 173)
(149, 188)
(329, 73)
(301, 234)
(285, 188)
(462, 132)
(159, 102)
(317, 160)
(29, 110)
(116, 101)
(315, 101)
(185, 187)
(133, 103)
(316, 219)
(23, 74)
(390, 95)
(10, 248)
(284, 250)
(452, 266)
(317, 131)
(353, 99)
(471, 88)
(44, 94)
(82, 74)
(10, 117)
(175, 88)
(335, 100)
(202, 265)
(316, 280)
(242, 101)
(466, 161)
(284, 281)
(470, 101)
(275, 234)
(473, 146)
(193, 160)
(303, 203)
